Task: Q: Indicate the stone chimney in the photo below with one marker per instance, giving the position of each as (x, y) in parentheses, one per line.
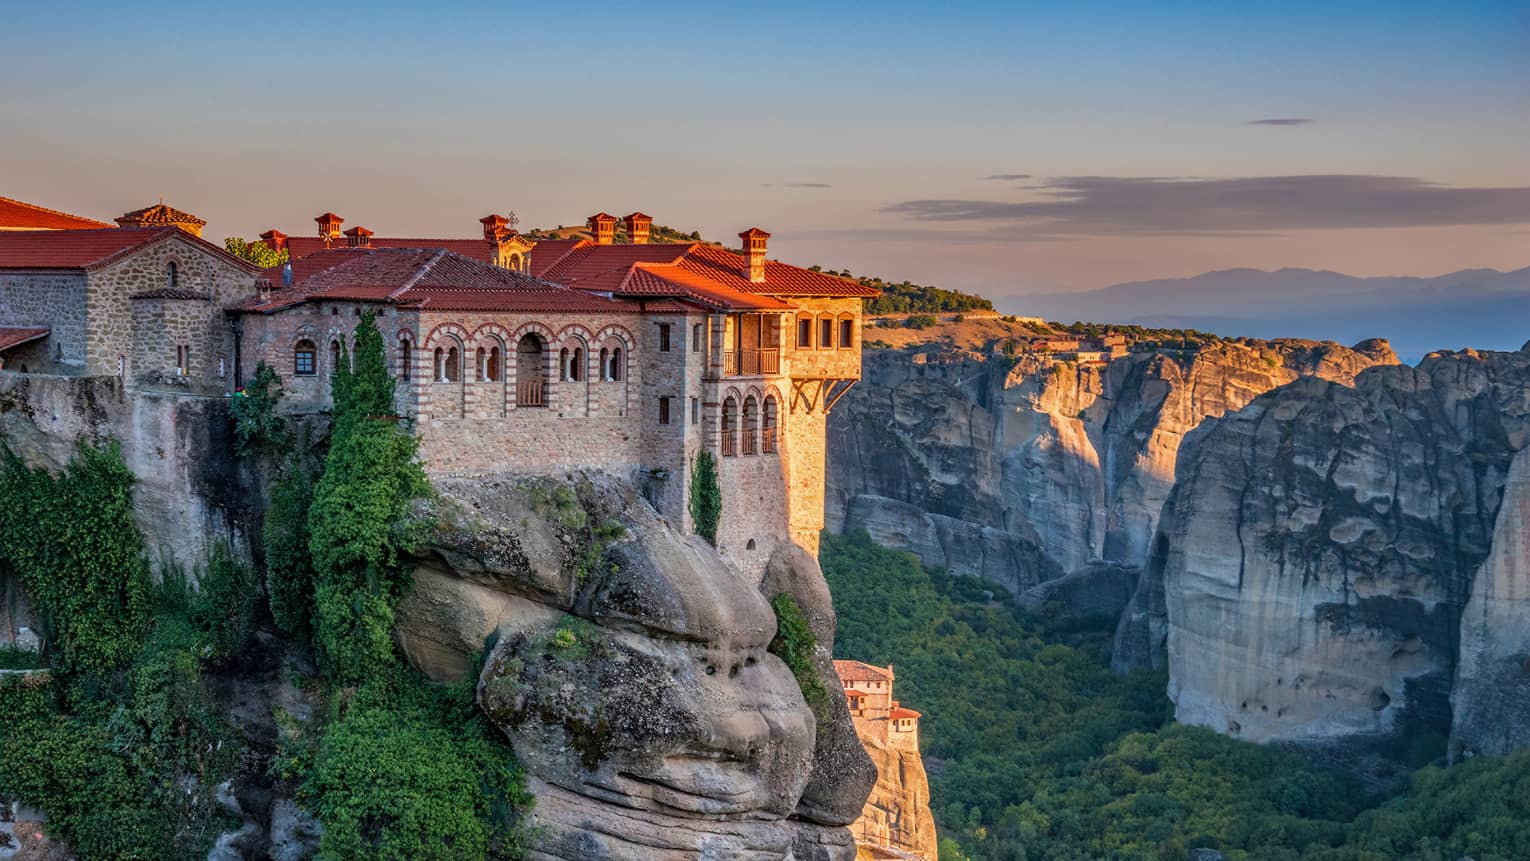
(754, 253)
(494, 227)
(358, 237)
(329, 225)
(274, 238)
(637, 228)
(602, 228)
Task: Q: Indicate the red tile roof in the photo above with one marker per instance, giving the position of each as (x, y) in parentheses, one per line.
(855, 671)
(15, 337)
(478, 249)
(158, 215)
(899, 713)
(424, 279)
(852, 693)
(90, 249)
(16, 215)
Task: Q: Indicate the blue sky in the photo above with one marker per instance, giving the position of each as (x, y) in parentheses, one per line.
(410, 118)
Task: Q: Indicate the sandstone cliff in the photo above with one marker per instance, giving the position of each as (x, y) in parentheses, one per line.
(628, 665)
(1308, 578)
(1020, 470)
(896, 821)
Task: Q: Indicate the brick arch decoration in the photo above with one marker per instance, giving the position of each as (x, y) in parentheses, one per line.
(525, 329)
(404, 334)
(755, 392)
(618, 332)
(494, 330)
(445, 330)
(578, 331)
(309, 332)
(734, 393)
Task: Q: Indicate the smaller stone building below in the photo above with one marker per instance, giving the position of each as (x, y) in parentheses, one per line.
(896, 821)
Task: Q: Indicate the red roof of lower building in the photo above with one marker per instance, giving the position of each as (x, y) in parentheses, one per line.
(15, 337)
(423, 279)
(856, 671)
(17, 215)
(901, 713)
(89, 249)
(478, 249)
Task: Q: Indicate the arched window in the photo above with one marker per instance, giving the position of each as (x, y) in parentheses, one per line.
(481, 364)
(804, 333)
(576, 368)
(616, 364)
(563, 371)
(304, 356)
(334, 357)
(846, 332)
(751, 425)
(453, 365)
(768, 426)
(439, 372)
(405, 359)
(605, 364)
(515, 262)
(730, 427)
(825, 333)
(172, 275)
(530, 372)
(494, 370)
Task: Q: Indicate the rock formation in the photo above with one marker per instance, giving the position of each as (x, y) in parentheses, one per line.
(1308, 578)
(1020, 469)
(628, 666)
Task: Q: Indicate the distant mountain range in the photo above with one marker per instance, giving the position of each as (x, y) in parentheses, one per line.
(1481, 308)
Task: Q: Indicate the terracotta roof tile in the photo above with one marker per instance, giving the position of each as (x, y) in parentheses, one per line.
(157, 215)
(899, 713)
(15, 337)
(18, 215)
(478, 249)
(90, 249)
(856, 671)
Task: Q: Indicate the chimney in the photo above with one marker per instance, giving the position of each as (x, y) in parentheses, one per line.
(358, 237)
(287, 274)
(274, 238)
(637, 228)
(494, 227)
(329, 225)
(754, 253)
(602, 228)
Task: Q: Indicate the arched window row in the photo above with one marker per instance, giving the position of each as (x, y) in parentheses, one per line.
(751, 426)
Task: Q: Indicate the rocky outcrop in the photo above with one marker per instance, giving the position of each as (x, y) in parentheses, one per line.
(1308, 579)
(628, 666)
(1491, 696)
(1017, 470)
(896, 822)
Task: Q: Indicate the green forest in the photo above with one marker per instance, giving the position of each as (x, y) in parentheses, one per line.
(1037, 752)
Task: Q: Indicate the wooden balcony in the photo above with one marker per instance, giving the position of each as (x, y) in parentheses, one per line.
(749, 363)
(750, 442)
(729, 443)
(768, 440)
(532, 393)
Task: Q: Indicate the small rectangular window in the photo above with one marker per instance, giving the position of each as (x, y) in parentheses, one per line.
(847, 333)
(695, 411)
(697, 337)
(664, 337)
(804, 334)
(663, 411)
(302, 363)
(825, 332)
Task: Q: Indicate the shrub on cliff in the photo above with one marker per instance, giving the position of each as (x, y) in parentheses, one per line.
(706, 496)
(256, 424)
(289, 565)
(794, 643)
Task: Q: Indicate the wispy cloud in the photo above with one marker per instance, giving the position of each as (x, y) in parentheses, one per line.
(797, 185)
(1240, 206)
(1282, 121)
(1008, 177)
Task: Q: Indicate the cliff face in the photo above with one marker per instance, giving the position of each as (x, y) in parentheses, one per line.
(896, 821)
(1020, 470)
(629, 668)
(1308, 579)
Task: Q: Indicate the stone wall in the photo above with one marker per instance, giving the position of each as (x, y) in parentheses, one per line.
(110, 327)
(164, 325)
(52, 299)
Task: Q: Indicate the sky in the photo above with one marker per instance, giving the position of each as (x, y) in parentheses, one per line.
(1009, 148)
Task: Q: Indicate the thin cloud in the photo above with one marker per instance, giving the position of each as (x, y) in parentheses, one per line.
(1282, 121)
(806, 185)
(1240, 206)
(1008, 177)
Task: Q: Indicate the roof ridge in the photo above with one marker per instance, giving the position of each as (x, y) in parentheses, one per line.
(424, 270)
(54, 211)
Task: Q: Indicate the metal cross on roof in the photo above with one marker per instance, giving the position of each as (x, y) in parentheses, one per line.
(512, 219)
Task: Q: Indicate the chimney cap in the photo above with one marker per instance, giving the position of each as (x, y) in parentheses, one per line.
(639, 216)
(329, 218)
(754, 233)
(602, 218)
(273, 233)
(493, 219)
(358, 230)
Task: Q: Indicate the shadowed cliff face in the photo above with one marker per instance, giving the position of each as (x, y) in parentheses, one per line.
(1308, 578)
(629, 669)
(1019, 470)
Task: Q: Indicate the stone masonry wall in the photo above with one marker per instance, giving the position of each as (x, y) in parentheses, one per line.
(110, 332)
(52, 299)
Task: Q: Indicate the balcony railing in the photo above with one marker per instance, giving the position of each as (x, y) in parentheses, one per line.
(748, 363)
(768, 440)
(750, 443)
(729, 443)
(531, 393)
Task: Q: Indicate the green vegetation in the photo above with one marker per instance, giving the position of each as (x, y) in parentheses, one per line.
(1144, 338)
(257, 427)
(905, 296)
(409, 771)
(1046, 756)
(256, 252)
(794, 643)
(919, 322)
(289, 566)
(354, 523)
(706, 496)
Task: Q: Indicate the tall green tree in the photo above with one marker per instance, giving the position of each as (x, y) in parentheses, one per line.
(357, 522)
(706, 496)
